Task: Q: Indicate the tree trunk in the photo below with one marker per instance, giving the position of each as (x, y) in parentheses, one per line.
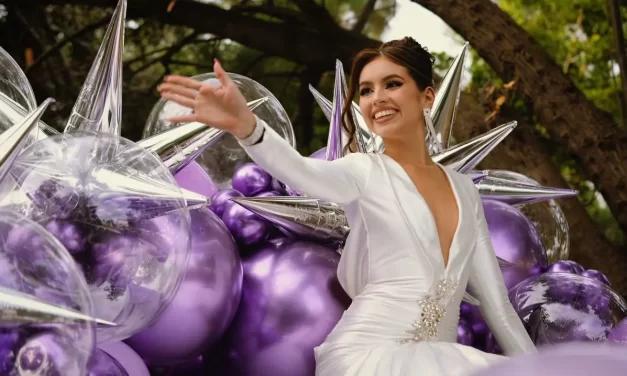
(522, 152)
(588, 133)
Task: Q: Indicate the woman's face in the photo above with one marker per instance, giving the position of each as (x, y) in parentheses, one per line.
(390, 101)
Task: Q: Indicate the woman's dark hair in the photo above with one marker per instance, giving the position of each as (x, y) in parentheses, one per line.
(405, 52)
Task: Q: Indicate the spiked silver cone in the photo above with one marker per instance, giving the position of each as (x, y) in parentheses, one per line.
(156, 198)
(471, 299)
(446, 99)
(178, 146)
(141, 193)
(13, 113)
(476, 176)
(518, 193)
(465, 156)
(338, 139)
(98, 107)
(372, 142)
(13, 139)
(18, 308)
(300, 216)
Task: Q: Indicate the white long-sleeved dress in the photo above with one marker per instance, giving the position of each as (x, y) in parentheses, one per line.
(405, 310)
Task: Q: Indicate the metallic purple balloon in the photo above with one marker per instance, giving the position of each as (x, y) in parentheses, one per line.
(564, 307)
(268, 194)
(513, 235)
(572, 359)
(194, 367)
(251, 179)
(194, 178)
(247, 227)
(576, 266)
(205, 302)
(464, 333)
(291, 301)
(562, 266)
(595, 274)
(277, 186)
(222, 199)
(69, 234)
(618, 334)
(320, 154)
(126, 357)
(102, 364)
(491, 346)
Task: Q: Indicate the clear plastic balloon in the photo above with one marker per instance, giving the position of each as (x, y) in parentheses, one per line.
(118, 210)
(565, 307)
(103, 364)
(547, 217)
(35, 264)
(221, 159)
(14, 84)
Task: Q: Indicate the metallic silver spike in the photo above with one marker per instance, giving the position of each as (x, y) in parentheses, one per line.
(13, 139)
(518, 193)
(19, 308)
(465, 156)
(300, 216)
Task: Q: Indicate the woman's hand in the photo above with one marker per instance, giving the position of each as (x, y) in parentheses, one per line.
(222, 107)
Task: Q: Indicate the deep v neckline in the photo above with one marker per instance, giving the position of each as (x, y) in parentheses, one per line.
(445, 265)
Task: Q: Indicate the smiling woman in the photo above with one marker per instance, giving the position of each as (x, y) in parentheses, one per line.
(398, 73)
(418, 233)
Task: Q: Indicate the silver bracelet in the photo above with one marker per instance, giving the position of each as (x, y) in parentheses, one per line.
(255, 136)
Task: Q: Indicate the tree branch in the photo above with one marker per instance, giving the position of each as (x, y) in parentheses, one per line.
(298, 43)
(87, 29)
(365, 14)
(588, 133)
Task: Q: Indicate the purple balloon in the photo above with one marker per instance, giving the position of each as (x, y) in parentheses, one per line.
(562, 266)
(102, 364)
(465, 310)
(564, 307)
(291, 301)
(268, 194)
(464, 333)
(126, 357)
(618, 334)
(192, 177)
(205, 302)
(491, 346)
(194, 367)
(576, 266)
(320, 154)
(595, 274)
(222, 199)
(513, 235)
(69, 234)
(247, 228)
(277, 186)
(572, 359)
(251, 179)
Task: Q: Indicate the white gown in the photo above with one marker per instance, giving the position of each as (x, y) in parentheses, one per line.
(392, 265)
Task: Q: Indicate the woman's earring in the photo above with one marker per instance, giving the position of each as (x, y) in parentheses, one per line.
(434, 145)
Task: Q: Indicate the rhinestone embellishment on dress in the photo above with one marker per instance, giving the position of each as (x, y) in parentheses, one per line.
(433, 311)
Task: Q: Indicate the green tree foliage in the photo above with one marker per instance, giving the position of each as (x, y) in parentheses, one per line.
(577, 35)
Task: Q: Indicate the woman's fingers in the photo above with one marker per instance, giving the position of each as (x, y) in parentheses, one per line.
(178, 89)
(183, 118)
(224, 78)
(183, 101)
(183, 81)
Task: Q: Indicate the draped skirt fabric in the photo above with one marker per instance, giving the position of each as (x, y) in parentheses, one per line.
(365, 341)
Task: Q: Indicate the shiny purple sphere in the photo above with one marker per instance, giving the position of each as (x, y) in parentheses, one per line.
(251, 179)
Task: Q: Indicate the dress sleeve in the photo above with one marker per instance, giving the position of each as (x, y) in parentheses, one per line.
(487, 284)
(340, 181)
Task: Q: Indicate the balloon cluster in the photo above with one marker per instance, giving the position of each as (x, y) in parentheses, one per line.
(103, 239)
(249, 180)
